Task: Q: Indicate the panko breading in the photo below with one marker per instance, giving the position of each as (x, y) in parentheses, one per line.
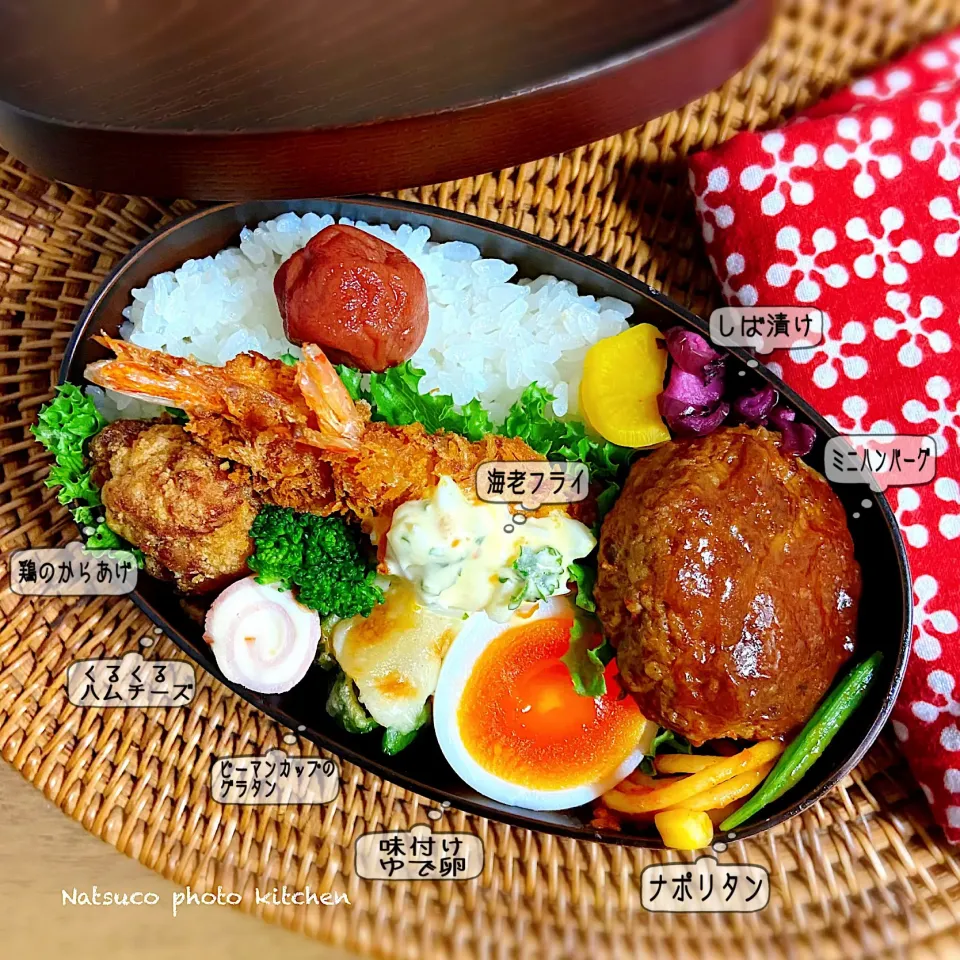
(284, 472)
(177, 502)
(394, 464)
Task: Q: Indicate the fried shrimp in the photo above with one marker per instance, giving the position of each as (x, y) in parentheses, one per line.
(306, 443)
(306, 404)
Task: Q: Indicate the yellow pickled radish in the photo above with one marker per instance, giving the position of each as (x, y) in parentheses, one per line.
(622, 378)
(684, 829)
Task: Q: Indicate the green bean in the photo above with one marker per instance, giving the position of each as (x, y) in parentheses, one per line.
(811, 741)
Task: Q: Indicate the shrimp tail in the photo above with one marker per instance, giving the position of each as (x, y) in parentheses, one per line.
(154, 376)
(308, 404)
(339, 421)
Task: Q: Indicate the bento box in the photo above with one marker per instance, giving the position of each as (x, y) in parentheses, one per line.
(296, 402)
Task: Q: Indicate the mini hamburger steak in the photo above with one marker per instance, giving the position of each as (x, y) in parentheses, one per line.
(727, 583)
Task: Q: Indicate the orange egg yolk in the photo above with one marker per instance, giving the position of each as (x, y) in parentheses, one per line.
(522, 720)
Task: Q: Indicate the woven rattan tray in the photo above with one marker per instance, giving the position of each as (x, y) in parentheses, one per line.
(863, 874)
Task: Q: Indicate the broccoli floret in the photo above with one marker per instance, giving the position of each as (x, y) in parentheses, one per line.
(335, 576)
(103, 538)
(278, 534)
(321, 556)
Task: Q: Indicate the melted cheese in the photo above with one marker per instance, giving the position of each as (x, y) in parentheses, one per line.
(394, 655)
(460, 552)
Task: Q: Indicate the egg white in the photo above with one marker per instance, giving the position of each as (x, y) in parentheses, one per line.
(475, 636)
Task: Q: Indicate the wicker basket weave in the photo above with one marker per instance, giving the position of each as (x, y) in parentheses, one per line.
(862, 874)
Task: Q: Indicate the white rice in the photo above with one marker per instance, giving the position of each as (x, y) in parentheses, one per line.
(488, 336)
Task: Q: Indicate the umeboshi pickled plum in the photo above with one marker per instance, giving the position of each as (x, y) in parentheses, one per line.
(361, 300)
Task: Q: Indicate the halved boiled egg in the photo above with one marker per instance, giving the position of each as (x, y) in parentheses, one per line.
(510, 723)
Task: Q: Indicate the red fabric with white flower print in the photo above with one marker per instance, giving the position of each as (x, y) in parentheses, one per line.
(854, 208)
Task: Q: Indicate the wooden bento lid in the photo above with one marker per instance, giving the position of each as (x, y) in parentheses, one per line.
(243, 99)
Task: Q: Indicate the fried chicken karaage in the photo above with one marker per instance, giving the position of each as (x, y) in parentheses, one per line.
(188, 512)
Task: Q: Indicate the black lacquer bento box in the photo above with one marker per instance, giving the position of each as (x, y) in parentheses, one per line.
(885, 609)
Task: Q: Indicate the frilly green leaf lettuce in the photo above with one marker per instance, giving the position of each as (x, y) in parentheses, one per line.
(583, 575)
(64, 425)
(396, 399)
(587, 662)
(351, 380)
(666, 741)
(561, 439)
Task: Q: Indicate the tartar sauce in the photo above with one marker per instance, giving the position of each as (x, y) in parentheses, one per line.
(460, 552)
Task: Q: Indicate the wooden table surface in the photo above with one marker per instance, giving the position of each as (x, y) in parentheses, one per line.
(43, 852)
